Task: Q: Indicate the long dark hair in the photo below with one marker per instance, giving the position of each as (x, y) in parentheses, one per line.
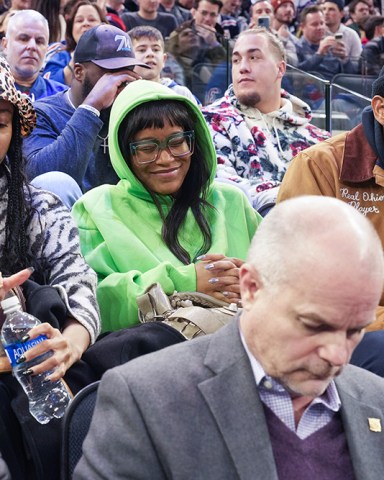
(15, 255)
(193, 192)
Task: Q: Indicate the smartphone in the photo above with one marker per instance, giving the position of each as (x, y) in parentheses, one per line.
(339, 36)
(263, 21)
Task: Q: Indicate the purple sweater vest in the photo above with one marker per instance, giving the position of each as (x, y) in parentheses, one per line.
(324, 455)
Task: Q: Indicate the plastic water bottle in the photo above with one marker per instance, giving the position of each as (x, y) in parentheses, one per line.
(47, 399)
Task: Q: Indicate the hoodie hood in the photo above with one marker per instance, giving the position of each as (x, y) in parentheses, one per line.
(135, 94)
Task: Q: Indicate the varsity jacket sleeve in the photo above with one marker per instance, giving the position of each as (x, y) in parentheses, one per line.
(309, 176)
(50, 148)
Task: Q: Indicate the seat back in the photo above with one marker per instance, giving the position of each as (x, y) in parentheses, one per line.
(357, 83)
(76, 423)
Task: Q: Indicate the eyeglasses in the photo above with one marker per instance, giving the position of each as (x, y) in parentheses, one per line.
(148, 151)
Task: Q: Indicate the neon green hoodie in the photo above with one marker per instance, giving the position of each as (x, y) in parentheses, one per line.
(120, 226)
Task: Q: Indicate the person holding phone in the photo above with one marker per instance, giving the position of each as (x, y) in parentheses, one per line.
(333, 15)
(262, 16)
(318, 52)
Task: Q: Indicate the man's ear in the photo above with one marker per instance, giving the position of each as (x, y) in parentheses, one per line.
(250, 284)
(282, 67)
(79, 72)
(377, 103)
(165, 56)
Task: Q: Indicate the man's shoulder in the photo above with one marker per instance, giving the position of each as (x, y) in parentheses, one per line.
(361, 384)
(166, 17)
(53, 101)
(55, 108)
(191, 361)
(222, 107)
(348, 33)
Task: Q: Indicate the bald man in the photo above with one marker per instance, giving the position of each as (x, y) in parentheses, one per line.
(24, 46)
(269, 396)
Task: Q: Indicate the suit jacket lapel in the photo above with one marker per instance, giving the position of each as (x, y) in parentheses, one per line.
(366, 447)
(232, 398)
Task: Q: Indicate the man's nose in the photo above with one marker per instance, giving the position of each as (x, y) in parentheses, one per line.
(244, 65)
(31, 45)
(337, 351)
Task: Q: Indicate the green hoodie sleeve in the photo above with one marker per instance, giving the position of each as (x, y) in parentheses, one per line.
(117, 291)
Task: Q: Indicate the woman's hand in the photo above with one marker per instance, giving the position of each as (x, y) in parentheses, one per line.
(7, 283)
(67, 348)
(218, 276)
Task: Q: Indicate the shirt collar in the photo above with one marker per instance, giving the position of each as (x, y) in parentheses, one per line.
(330, 398)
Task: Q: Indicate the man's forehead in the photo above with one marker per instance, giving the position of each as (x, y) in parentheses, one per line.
(32, 28)
(249, 43)
(204, 5)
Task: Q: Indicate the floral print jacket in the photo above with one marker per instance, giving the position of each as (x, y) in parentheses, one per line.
(256, 158)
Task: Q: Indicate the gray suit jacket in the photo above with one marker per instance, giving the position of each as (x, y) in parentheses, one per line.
(192, 411)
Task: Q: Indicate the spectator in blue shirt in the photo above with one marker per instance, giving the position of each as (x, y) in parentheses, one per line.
(25, 45)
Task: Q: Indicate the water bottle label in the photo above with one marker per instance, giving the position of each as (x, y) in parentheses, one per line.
(16, 350)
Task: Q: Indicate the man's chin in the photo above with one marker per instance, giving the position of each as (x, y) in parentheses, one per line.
(248, 99)
(313, 386)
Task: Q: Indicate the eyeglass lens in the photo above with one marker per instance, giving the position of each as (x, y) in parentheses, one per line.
(148, 150)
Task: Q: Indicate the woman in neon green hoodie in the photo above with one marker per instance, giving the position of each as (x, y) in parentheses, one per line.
(166, 220)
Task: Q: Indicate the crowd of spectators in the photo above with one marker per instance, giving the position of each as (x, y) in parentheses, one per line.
(165, 130)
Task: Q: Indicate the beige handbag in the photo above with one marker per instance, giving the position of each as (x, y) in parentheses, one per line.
(193, 314)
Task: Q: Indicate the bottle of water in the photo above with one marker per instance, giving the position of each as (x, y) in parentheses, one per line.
(47, 399)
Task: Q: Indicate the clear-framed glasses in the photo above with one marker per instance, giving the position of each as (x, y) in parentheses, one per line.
(148, 151)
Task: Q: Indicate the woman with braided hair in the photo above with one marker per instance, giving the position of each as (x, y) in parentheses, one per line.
(38, 237)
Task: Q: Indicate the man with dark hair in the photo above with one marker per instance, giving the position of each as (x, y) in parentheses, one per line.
(271, 395)
(350, 167)
(358, 13)
(333, 14)
(148, 14)
(318, 52)
(205, 15)
(372, 56)
(71, 135)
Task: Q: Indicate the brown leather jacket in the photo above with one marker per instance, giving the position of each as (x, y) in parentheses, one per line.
(343, 167)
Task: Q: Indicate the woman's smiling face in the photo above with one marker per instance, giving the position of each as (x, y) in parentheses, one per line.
(166, 175)
(6, 117)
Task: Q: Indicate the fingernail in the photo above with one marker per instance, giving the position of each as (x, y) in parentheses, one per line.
(47, 380)
(200, 257)
(25, 338)
(213, 280)
(27, 372)
(210, 266)
(225, 294)
(20, 359)
(31, 269)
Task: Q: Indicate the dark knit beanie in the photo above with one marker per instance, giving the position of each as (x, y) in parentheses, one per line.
(378, 85)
